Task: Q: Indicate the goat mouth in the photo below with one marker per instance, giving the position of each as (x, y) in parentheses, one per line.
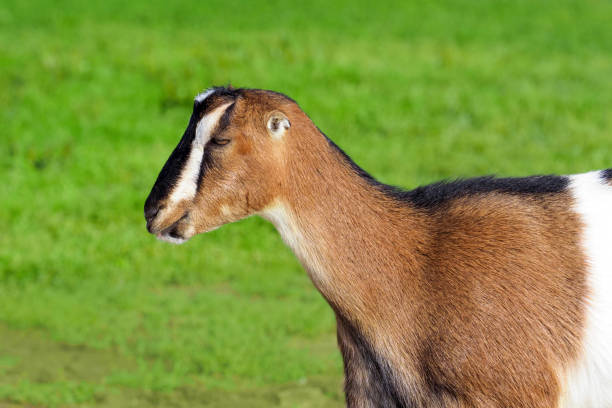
(171, 233)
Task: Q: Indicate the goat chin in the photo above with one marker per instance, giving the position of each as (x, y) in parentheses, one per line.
(173, 240)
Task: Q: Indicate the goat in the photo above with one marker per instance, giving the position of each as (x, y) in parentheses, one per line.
(485, 292)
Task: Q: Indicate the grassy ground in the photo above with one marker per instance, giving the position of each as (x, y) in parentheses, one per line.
(94, 312)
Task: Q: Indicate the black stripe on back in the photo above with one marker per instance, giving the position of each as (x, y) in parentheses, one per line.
(436, 194)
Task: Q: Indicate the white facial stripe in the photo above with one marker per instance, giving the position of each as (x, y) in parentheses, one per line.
(187, 185)
(207, 124)
(203, 95)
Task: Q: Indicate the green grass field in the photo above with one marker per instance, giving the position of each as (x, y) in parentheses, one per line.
(94, 312)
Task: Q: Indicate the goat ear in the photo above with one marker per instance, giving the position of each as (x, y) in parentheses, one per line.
(278, 124)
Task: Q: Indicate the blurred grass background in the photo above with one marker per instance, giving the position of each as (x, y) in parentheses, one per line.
(94, 312)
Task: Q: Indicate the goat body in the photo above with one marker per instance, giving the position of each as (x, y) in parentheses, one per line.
(474, 293)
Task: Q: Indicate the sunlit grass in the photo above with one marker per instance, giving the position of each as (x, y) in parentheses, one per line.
(95, 96)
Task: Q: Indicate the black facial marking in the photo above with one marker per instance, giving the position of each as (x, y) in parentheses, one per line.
(224, 121)
(208, 159)
(170, 173)
(218, 92)
(436, 194)
(607, 175)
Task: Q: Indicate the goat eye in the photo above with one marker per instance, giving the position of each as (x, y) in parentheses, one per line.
(220, 142)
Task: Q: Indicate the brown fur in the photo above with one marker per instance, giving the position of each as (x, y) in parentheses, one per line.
(480, 302)
(476, 303)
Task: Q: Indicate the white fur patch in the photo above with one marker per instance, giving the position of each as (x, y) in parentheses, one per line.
(225, 210)
(280, 216)
(203, 95)
(187, 184)
(589, 383)
(172, 240)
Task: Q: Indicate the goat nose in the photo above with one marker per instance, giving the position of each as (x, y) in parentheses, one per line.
(151, 212)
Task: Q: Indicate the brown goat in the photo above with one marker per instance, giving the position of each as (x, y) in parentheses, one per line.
(474, 293)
